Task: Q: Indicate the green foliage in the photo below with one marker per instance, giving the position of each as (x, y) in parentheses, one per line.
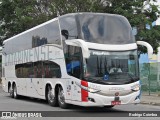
(19, 15)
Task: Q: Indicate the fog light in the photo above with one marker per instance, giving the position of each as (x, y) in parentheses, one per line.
(91, 99)
(135, 87)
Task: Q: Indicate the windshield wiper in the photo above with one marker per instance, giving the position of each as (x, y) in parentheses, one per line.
(92, 79)
(132, 79)
(95, 80)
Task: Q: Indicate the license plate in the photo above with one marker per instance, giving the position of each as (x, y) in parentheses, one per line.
(116, 102)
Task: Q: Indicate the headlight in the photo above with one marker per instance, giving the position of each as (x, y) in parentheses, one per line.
(135, 87)
(93, 90)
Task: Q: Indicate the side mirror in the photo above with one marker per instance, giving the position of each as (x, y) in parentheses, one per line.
(65, 33)
(148, 46)
(80, 43)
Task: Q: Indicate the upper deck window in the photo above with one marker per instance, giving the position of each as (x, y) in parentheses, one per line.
(40, 35)
(104, 29)
(68, 24)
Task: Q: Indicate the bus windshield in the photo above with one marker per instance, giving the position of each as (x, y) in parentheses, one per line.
(105, 29)
(111, 67)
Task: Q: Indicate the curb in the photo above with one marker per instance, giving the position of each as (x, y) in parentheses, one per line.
(150, 103)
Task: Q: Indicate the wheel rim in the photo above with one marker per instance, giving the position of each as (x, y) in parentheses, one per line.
(61, 96)
(50, 95)
(15, 91)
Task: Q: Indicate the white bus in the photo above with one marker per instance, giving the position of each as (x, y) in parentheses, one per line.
(85, 59)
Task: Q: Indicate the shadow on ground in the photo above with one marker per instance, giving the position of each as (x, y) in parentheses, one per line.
(71, 107)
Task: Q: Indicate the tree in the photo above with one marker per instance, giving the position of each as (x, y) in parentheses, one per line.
(20, 15)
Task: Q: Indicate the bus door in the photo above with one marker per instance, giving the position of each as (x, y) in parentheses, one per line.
(73, 91)
(76, 91)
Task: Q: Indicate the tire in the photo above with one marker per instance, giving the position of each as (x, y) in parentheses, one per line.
(61, 99)
(15, 95)
(52, 100)
(11, 92)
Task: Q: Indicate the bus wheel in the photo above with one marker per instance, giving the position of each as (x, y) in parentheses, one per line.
(11, 92)
(52, 100)
(15, 95)
(61, 99)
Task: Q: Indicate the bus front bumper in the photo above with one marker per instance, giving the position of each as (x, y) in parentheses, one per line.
(100, 100)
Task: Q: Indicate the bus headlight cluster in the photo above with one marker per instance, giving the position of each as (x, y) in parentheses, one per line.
(135, 87)
(91, 90)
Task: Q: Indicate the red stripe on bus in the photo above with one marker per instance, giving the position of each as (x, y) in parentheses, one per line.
(84, 93)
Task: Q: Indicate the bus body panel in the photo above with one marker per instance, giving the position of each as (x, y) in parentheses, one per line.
(107, 94)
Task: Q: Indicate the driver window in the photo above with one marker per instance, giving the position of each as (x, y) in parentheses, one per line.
(73, 61)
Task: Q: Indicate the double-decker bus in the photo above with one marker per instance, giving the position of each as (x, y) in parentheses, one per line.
(85, 59)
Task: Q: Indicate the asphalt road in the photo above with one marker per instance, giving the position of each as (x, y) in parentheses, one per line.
(30, 104)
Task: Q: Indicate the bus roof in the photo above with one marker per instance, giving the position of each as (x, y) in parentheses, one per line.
(38, 26)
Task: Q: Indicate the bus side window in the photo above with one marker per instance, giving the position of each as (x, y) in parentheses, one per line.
(73, 61)
(35, 71)
(52, 70)
(18, 71)
(47, 71)
(55, 71)
(68, 27)
(29, 72)
(39, 66)
(41, 69)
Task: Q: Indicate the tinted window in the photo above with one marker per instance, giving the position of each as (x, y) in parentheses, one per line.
(44, 34)
(53, 33)
(73, 56)
(68, 23)
(41, 69)
(48, 34)
(104, 29)
(51, 70)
